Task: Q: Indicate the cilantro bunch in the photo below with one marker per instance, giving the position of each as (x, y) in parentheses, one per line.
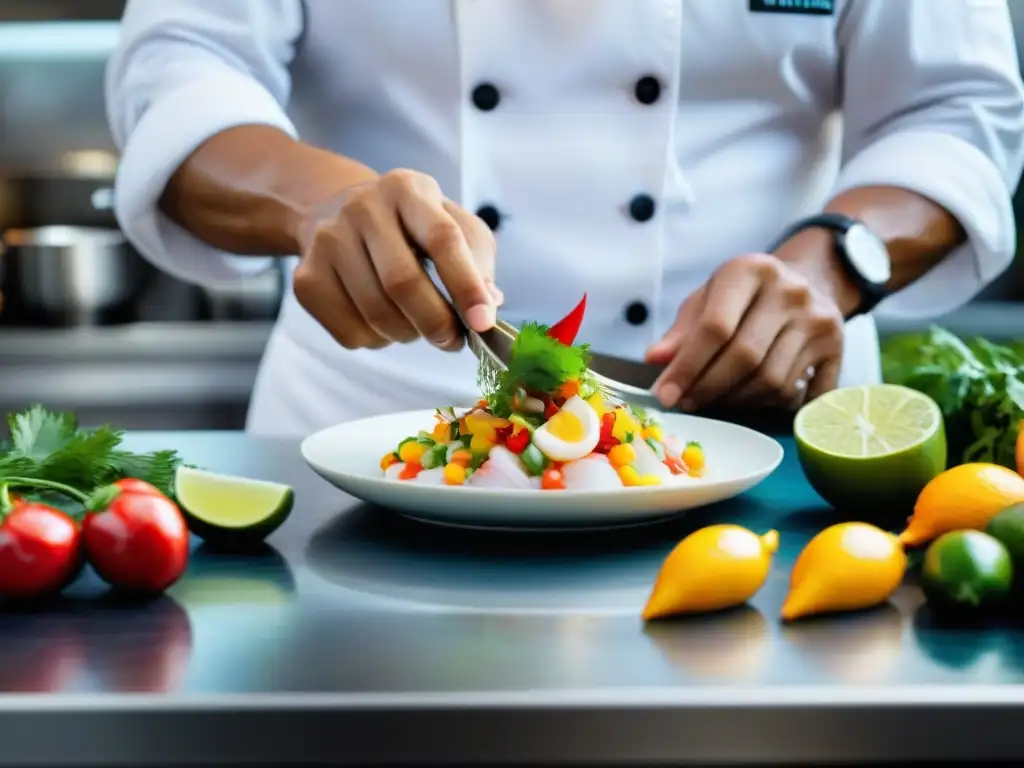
(978, 385)
(50, 446)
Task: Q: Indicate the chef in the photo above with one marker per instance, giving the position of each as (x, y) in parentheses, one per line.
(739, 186)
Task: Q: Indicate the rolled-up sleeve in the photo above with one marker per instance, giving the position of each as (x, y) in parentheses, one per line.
(933, 102)
(184, 71)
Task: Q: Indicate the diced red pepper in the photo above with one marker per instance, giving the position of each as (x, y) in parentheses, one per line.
(552, 480)
(566, 329)
(675, 465)
(409, 471)
(550, 408)
(607, 440)
(518, 441)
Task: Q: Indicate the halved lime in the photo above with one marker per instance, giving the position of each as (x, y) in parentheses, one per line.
(231, 511)
(871, 449)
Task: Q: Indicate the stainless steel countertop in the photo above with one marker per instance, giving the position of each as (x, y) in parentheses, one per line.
(363, 637)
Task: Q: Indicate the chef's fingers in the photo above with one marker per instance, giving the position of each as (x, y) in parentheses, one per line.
(730, 293)
(744, 354)
(359, 276)
(405, 281)
(663, 350)
(420, 206)
(481, 243)
(321, 292)
(776, 382)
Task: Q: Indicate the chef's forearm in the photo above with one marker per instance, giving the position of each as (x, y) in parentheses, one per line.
(918, 232)
(247, 189)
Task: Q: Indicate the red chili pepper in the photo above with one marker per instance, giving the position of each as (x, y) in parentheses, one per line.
(518, 441)
(565, 330)
(40, 550)
(135, 537)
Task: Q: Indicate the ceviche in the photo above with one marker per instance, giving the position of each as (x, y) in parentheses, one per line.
(545, 424)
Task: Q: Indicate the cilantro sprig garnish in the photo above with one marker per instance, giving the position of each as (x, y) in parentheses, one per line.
(537, 363)
(48, 445)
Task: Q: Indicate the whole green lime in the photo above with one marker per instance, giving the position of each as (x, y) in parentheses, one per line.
(871, 448)
(1008, 528)
(966, 570)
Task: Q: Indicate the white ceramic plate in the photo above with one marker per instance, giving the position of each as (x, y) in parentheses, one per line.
(348, 456)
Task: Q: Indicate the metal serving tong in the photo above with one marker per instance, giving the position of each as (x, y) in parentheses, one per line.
(622, 379)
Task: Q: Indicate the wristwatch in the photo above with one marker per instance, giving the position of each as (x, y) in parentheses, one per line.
(862, 254)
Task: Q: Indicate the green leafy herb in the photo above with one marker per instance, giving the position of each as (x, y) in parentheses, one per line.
(978, 385)
(537, 364)
(50, 446)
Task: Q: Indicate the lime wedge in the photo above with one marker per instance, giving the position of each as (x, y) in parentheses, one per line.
(871, 449)
(231, 511)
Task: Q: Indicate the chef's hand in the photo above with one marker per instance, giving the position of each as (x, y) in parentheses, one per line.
(361, 275)
(757, 334)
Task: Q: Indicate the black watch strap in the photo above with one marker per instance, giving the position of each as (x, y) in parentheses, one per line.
(839, 225)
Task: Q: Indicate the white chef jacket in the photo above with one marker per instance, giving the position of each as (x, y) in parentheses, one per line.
(544, 112)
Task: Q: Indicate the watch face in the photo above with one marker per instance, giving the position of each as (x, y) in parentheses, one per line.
(868, 254)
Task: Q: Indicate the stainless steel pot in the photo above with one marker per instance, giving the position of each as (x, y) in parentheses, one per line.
(73, 275)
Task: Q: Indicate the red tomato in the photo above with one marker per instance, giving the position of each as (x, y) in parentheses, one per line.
(138, 541)
(40, 550)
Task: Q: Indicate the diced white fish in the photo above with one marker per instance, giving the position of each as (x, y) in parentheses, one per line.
(647, 461)
(503, 469)
(673, 445)
(431, 476)
(592, 473)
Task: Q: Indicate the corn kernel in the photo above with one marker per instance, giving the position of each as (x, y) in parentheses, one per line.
(622, 454)
(454, 474)
(693, 456)
(649, 480)
(653, 432)
(412, 452)
(629, 476)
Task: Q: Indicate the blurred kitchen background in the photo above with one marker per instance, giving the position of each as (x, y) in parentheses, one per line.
(88, 325)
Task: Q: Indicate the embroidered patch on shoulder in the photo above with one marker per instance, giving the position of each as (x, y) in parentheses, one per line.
(806, 7)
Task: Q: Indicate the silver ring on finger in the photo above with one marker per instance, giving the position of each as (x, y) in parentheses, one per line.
(804, 381)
